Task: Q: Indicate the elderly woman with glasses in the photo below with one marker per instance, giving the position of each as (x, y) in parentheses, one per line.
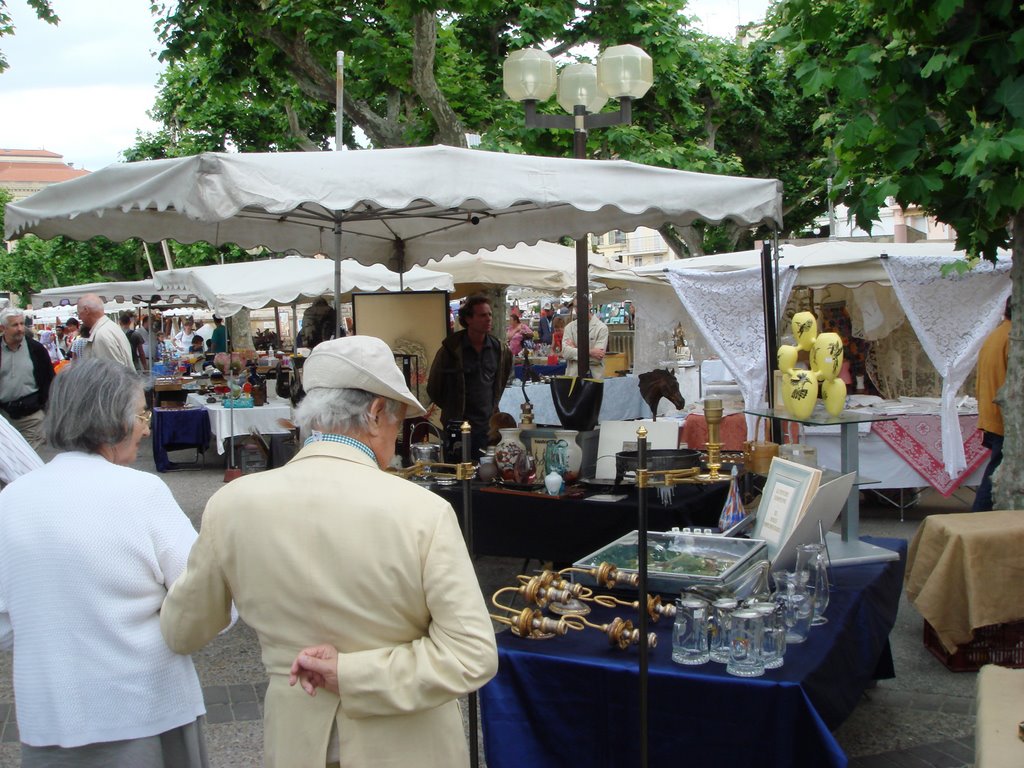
(89, 547)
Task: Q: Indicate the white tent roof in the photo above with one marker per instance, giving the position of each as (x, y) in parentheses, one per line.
(133, 291)
(395, 206)
(543, 266)
(227, 288)
(820, 264)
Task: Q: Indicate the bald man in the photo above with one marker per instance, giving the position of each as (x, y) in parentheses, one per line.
(105, 340)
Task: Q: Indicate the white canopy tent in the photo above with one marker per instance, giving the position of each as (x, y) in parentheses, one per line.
(951, 315)
(398, 207)
(228, 288)
(125, 292)
(543, 266)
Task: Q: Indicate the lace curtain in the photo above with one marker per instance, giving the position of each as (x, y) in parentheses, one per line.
(658, 312)
(728, 311)
(952, 316)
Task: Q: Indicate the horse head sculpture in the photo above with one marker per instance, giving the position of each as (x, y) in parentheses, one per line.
(657, 384)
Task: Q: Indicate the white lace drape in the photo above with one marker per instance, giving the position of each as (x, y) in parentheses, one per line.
(727, 309)
(951, 316)
(658, 312)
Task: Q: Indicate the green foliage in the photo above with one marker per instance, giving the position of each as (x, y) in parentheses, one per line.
(7, 27)
(36, 264)
(928, 105)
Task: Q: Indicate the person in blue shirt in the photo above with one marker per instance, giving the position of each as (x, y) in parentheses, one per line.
(220, 335)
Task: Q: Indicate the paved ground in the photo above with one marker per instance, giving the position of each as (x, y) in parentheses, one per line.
(924, 717)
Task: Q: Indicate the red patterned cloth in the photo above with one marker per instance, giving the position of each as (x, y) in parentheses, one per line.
(918, 440)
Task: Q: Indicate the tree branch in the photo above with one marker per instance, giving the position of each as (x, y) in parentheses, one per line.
(318, 83)
(450, 129)
(296, 130)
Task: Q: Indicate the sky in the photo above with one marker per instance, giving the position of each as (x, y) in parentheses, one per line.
(83, 87)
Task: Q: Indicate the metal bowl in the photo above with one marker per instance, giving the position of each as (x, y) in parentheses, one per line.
(658, 459)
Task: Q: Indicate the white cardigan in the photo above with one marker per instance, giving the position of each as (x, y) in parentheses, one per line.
(88, 550)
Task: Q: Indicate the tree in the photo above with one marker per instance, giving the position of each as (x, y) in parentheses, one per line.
(928, 108)
(43, 10)
(418, 73)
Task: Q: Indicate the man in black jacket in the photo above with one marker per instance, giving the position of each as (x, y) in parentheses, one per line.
(25, 376)
(470, 372)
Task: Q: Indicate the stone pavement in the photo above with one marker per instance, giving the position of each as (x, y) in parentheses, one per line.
(924, 717)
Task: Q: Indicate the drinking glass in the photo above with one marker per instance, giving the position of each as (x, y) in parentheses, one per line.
(745, 643)
(773, 647)
(812, 560)
(690, 632)
(721, 619)
(797, 605)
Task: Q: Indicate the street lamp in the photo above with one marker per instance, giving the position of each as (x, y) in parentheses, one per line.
(623, 72)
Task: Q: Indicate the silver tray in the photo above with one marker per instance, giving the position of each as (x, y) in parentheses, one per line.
(679, 562)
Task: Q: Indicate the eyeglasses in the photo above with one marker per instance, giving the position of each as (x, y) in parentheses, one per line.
(146, 417)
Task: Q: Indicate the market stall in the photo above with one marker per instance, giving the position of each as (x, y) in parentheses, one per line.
(566, 701)
(880, 286)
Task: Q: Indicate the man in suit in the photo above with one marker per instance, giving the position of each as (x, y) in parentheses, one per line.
(331, 551)
(25, 376)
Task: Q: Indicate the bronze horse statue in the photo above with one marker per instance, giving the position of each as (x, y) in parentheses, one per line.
(657, 384)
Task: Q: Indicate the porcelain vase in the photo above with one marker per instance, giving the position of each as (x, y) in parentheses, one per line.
(827, 355)
(799, 392)
(805, 329)
(573, 454)
(507, 453)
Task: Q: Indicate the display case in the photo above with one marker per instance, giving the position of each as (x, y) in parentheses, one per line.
(679, 561)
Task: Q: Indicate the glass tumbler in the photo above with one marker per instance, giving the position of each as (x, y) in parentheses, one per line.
(773, 647)
(690, 632)
(797, 605)
(812, 560)
(721, 619)
(745, 642)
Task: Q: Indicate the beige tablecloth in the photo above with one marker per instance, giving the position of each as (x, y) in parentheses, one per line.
(1000, 709)
(966, 571)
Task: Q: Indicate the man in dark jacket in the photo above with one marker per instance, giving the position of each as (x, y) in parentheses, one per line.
(470, 372)
(25, 376)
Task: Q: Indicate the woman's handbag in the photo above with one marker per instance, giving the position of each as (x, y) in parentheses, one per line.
(577, 401)
(758, 454)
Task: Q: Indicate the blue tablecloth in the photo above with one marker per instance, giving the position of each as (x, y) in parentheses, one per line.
(541, 370)
(178, 428)
(573, 701)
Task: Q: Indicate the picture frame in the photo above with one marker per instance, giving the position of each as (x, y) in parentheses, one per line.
(413, 324)
(787, 494)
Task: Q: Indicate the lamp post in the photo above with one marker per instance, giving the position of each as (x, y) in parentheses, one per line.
(623, 72)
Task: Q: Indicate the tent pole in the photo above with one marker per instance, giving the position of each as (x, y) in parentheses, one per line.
(232, 471)
(771, 333)
(294, 323)
(579, 148)
(337, 279)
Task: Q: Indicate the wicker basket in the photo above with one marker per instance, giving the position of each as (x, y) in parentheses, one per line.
(999, 644)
